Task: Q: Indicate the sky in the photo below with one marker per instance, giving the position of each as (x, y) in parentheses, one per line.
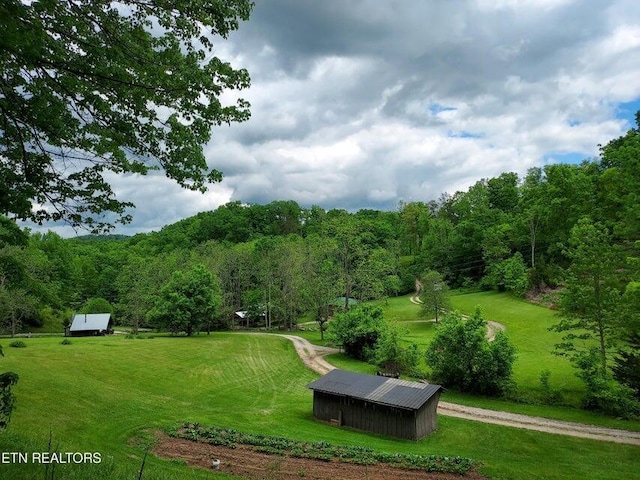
(366, 103)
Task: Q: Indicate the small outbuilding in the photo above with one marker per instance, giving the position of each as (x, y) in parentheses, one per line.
(88, 324)
(340, 304)
(377, 404)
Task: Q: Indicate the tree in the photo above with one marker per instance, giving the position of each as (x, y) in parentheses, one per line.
(97, 305)
(533, 208)
(321, 277)
(434, 293)
(627, 367)
(590, 299)
(461, 357)
(350, 250)
(620, 182)
(188, 302)
(89, 88)
(503, 192)
(20, 288)
(377, 276)
(392, 356)
(627, 364)
(357, 331)
(510, 275)
(415, 218)
(7, 398)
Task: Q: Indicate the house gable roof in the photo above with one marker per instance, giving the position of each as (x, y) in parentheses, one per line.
(381, 390)
(90, 321)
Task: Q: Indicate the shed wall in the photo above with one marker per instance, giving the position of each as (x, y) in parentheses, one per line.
(371, 417)
(426, 417)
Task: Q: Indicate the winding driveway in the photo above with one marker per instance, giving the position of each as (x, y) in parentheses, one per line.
(313, 357)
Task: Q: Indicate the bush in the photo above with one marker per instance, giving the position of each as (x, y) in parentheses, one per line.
(550, 395)
(613, 399)
(461, 357)
(66, 341)
(18, 344)
(604, 394)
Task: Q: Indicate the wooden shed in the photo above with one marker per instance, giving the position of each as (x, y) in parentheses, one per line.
(387, 406)
(86, 324)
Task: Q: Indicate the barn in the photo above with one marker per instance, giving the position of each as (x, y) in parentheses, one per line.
(86, 324)
(376, 404)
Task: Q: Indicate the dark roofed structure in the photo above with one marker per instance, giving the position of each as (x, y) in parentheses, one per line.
(388, 406)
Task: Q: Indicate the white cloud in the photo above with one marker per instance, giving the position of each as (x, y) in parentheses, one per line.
(361, 104)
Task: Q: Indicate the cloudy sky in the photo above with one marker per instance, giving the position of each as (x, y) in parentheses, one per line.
(364, 103)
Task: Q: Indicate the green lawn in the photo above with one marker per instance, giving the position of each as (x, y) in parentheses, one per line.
(527, 326)
(98, 394)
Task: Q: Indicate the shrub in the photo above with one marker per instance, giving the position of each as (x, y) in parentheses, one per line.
(66, 341)
(18, 344)
(461, 357)
(550, 395)
(604, 394)
(613, 399)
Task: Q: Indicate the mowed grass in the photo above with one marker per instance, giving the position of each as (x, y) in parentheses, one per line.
(527, 326)
(105, 394)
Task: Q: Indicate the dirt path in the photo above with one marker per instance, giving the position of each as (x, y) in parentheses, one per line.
(312, 357)
(492, 327)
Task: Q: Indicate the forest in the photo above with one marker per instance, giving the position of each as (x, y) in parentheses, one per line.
(566, 235)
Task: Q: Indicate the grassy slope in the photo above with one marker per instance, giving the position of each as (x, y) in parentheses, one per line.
(98, 393)
(527, 326)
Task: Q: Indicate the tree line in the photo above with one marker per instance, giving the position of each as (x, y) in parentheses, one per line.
(565, 227)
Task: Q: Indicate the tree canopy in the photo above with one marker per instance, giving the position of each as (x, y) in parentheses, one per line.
(188, 302)
(91, 87)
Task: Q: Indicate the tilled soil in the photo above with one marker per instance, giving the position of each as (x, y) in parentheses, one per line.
(248, 464)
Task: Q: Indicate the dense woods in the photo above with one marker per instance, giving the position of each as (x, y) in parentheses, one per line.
(538, 235)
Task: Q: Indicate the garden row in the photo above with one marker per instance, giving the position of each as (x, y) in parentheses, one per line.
(320, 450)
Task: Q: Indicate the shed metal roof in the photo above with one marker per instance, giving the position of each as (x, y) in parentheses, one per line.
(90, 321)
(382, 390)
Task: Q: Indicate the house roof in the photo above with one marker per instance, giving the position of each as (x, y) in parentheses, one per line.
(90, 321)
(382, 390)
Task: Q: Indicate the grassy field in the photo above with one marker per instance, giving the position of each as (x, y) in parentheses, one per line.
(105, 394)
(527, 326)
